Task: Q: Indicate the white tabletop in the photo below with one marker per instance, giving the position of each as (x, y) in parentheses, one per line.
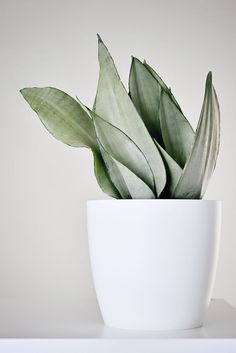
(24, 329)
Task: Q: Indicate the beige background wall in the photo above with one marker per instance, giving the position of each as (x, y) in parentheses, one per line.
(45, 184)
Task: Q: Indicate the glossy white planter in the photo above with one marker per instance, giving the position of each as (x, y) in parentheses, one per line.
(153, 261)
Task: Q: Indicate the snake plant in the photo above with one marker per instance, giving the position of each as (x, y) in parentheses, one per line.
(143, 145)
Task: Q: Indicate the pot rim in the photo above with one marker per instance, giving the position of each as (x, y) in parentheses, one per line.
(153, 200)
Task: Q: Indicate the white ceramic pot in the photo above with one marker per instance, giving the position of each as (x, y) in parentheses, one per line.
(153, 261)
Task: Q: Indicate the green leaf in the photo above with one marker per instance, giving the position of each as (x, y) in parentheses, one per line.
(145, 92)
(202, 160)
(162, 84)
(103, 177)
(68, 121)
(128, 184)
(177, 133)
(64, 117)
(160, 111)
(173, 172)
(115, 174)
(114, 105)
(123, 149)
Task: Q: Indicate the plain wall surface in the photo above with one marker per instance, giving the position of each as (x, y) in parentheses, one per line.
(45, 184)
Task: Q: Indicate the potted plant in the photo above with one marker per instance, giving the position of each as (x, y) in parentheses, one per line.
(154, 244)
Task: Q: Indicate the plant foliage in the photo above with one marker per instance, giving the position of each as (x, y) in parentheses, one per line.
(143, 145)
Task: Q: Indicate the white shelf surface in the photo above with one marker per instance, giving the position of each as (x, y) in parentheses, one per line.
(24, 329)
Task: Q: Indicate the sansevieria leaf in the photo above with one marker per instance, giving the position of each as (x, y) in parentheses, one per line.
(145, 92)
(113, 104)
(64, 117)
(162, 84)
(128, 184)
(177, 133)
(173, 173)
(202, 160)
(123, 149)
(68, 121)
(160, 111)
(102, 176)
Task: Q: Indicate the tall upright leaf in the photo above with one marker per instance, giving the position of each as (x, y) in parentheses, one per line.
(145, 92)
(162, 84)
(68, 121)
(123, 149)
(202, 160)
(160, 111)
(114, 105)
(177, 133)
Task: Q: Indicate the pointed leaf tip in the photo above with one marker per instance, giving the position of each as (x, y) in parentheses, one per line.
(99, 38)
(23, 91)
(136, 60)
(209, 78)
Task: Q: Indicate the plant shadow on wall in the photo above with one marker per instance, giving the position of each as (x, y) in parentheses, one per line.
(143, 145)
